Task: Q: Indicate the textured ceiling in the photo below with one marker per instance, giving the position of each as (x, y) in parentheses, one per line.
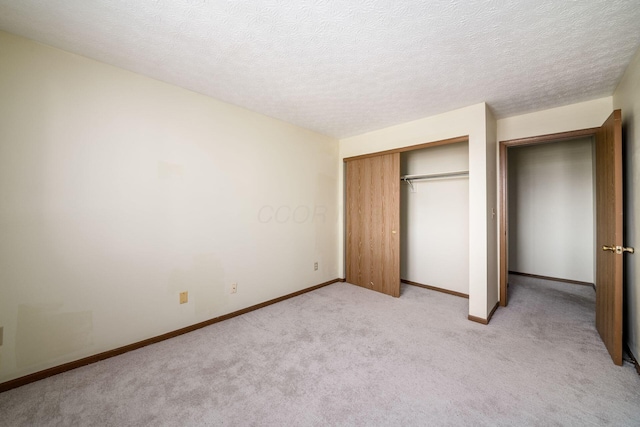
(344, 67)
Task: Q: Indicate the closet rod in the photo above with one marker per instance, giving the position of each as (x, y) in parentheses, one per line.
(434, 175)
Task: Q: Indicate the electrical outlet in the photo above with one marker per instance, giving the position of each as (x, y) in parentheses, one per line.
(234, 288)
(184, 297)
(315, 266)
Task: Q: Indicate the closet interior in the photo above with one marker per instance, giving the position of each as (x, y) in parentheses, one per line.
(434, 217)
(551, 198)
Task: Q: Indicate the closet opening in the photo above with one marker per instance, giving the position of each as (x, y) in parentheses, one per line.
(407, 218)
(548, 209)
(434, 218)
(551, 210)
(569, 232)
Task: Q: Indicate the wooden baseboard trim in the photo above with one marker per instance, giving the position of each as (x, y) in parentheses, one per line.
(555, 279)
(478, 320)
(488, 319)
(433, 288)
(493, 310)
(36, 376)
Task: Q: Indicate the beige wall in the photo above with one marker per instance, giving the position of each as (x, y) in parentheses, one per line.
(471, 121)
(627, 98)
(583, 115)
(117, 192)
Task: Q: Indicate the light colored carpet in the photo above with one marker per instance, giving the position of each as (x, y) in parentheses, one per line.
(343, 355)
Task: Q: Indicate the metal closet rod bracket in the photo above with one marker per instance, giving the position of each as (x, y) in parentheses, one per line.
(408, 181)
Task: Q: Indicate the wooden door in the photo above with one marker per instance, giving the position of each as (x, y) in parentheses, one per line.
(373, 223)
(608, 180)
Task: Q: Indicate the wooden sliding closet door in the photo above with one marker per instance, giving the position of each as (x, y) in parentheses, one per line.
(373, 223)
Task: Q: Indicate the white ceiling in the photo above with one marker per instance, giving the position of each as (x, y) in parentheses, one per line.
(344, 67)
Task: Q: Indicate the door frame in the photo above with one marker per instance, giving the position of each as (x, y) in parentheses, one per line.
(503, 193)
(437, 143)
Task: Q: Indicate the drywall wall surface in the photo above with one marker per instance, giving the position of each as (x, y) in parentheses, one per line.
(493, 285)
(469, 121)
(118, 192)
(434, 218)
(551, 201)
(627, 98)
(435, 128)
(583, 115)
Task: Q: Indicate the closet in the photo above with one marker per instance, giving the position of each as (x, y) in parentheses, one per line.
(407, 218)
(434, 249)
(551, 198)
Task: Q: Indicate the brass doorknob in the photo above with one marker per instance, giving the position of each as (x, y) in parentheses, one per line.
(618, 249)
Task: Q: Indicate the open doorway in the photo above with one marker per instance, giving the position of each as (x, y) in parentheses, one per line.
(609, 245)
(504, 193)
(551, 210)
